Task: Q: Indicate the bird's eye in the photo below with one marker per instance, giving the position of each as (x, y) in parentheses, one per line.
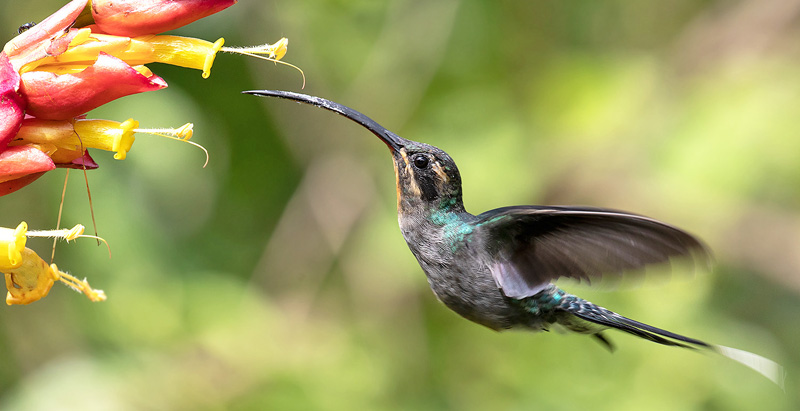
(420, 161)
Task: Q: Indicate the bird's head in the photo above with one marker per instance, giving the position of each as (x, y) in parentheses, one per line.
(426, 176)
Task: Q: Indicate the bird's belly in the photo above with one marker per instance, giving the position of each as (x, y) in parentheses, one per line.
(474, 295)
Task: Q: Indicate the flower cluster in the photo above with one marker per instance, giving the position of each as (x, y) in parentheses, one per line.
(86, 54)
(28, 277)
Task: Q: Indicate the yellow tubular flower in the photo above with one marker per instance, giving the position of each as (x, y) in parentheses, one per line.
(28, 277)
(12, 242)
(184, 51)
(66, 140)
(33, 279)
(78, 135)
(108, 135)
(175, 50)
(187, 52)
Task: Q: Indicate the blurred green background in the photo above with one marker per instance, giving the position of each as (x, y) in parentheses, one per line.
(277, 278)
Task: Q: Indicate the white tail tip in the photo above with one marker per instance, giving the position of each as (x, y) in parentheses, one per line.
(763, 366)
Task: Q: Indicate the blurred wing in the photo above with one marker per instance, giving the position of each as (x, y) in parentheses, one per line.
(531, 246)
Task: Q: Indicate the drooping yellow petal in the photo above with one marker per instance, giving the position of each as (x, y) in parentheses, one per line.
(30, 281)
(33, 279)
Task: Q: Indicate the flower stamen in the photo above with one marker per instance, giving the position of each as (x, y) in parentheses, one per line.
(68, 235)
(81, 286)
(182, 133)
(273, 51)
(269, 52)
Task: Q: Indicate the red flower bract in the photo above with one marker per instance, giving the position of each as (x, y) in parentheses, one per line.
(19, 166)
(137, 17)
(52, 96)
(11, 104)
(33, 44)
(11, 186)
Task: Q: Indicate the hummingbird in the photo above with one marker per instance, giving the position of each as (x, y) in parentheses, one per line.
(497, 268)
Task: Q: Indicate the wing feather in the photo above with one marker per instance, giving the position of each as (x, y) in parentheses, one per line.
(531, 246)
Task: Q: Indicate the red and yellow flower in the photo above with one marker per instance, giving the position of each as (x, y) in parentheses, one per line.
(86, 54)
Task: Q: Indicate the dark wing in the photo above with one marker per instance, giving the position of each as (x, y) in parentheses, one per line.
(531, 246)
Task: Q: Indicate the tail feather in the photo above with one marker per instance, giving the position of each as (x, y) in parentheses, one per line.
(656, 335)
(764, 366)
(598, 315)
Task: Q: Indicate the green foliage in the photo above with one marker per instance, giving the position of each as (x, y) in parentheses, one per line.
(277, 278)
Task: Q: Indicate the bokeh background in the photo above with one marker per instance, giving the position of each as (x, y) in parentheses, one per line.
(277, 278)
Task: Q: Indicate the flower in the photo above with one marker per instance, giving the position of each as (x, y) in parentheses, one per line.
(66, 140)
(85, 46)
(11, 103)
(80, 58)
(85, 55)
(28, 277)
(58, 96)
(31, 280)
(12, 242)
(20, 166)
(136, 17)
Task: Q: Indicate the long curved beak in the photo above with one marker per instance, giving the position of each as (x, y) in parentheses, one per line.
(392, 140)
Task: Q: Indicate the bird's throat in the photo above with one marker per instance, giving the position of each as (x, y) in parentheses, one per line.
(410, 189)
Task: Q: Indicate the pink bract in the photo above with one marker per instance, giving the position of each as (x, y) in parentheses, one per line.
(19, 161)
(32, 44)
(11, 104)
(138, 17)
(59, 97)
(9, 187)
